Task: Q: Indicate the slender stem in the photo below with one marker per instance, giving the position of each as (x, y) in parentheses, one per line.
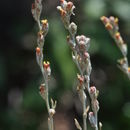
(96, 128)
(83, 99)
(48, 105)
(84, 109)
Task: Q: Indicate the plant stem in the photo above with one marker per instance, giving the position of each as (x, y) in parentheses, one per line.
(84, 109)
(96, 128)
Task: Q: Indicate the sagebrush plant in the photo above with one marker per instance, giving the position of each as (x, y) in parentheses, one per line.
(112, 26)
(44, 65)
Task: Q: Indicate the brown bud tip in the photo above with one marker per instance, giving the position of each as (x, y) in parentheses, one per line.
(38, 50)
(81, 79)
(117, 35)
(33, 6)
(109, 26)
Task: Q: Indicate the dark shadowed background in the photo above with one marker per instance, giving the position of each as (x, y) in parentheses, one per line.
(21, 107)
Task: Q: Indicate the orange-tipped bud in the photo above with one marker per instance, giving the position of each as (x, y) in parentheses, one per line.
(116, 20)
(117, 35)
(69, 5)
(46, 65)
(81, 79)
(104, 19)
(38, 50)
(61, 1)
(44, 22)
(128, 69)
(109, 26)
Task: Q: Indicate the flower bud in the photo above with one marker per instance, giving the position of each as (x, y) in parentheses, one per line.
(33, 6)
(129, 69)
(69, 6)
(95, 106)
(104, 19)
(86, 55)
(47, 68)
(73, 28)
(42, 89)
(109, 26)
(46, 65)
(112, 19)
(52, 112)
(81, 79)
(93, 90)
(116, 20)
(38, 50)
(117, 35)
(45, 26)
(92, 119)
(83, 43)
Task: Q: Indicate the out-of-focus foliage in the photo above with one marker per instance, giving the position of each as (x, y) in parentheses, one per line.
(21, 106)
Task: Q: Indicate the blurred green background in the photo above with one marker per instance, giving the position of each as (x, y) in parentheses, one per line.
(21, 106)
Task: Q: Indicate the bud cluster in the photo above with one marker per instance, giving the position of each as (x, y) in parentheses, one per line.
(111, 25)
(66, 10)
(80, 45)
(36, 9)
